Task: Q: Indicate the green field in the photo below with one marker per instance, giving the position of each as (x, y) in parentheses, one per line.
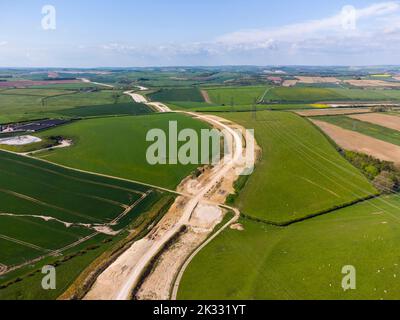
(236, 95)
(130, 108)
(88, 98)
(37, 199)
(71, 86)
(190, 105)
(24, 104)
(301, 94)
(177, 94)
(312, 94)
(367, 128)
(203, 107)
(304, 260)
(117, 147)
(69, 267)
(300, 174)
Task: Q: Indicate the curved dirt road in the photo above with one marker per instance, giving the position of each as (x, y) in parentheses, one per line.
(122, 276)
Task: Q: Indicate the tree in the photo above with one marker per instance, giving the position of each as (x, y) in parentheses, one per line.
(385, 182)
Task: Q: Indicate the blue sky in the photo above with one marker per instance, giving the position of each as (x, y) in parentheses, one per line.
(123, 33)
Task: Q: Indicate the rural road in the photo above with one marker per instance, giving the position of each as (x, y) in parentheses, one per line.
(132, 269)
(98, 83)
(138, 98)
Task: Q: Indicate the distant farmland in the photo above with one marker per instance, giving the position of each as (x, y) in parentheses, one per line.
(29, 83)
(367, 128)
(177, 94)
(23, 104)
(310, 94)
(236, 95)
(130, 108)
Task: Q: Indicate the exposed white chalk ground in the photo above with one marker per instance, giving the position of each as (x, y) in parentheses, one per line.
(20, 140)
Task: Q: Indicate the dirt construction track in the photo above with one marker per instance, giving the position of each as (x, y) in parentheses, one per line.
(199, 212)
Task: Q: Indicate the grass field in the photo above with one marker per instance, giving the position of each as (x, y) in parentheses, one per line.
(190, 105)
(117, 147)
(130, 108)
(304, 260)
(312, 94)
(71, 86)
(88, 98)
(177, 94)
(300, 174)
(237, 95)
(367, 128)
(44, 208)
(29, 285)
(206, 107)
(23, 104)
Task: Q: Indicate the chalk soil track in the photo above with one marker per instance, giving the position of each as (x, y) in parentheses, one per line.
(354, 141)
(211, 189)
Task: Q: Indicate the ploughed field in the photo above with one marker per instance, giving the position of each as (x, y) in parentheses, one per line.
(377, 131)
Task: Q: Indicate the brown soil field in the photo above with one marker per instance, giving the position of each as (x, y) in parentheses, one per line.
(311, 80)
(289, 83)
(331, 112)
(384, 120)
(354, 141)
(372, 83)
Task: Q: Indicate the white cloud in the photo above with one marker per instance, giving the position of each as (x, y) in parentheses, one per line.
(377, 29)
(374, 40)
(309, 29)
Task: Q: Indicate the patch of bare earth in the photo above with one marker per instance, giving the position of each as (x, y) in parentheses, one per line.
(107, 284)
(311, 80)
(354, 141)
(237, 226)
(3, 268)
(330, 112)
(198, 211)
(388, 121)
(159, 283)
(206, 96)
(372, 83)
(289, 83)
